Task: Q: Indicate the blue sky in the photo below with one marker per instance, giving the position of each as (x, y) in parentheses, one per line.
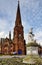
(31, 15)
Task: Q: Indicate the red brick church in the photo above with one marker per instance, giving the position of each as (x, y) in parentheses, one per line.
(17, 45)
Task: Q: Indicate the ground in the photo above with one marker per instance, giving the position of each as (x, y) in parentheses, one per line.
(12, 60)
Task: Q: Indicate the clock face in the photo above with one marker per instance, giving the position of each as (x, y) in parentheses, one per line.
(19, 35)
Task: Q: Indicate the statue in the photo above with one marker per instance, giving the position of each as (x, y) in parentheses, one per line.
(31, 35)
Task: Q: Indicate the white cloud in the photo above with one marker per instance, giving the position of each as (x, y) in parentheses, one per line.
(38, 37)
(4, 27)
(26, 38)
(3, 23)
(38, 34)
(1, 34)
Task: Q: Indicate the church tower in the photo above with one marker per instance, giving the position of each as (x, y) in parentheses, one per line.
(18, 34)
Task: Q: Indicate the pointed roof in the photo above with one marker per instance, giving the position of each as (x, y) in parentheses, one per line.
(18, 16)
(9, 35)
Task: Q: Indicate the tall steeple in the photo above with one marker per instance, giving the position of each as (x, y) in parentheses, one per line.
(18, 16)
(18, 34)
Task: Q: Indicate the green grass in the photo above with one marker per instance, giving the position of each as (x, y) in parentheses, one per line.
(34, 58)
(13, 61)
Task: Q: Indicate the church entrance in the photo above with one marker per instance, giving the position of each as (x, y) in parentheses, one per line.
(19, 51)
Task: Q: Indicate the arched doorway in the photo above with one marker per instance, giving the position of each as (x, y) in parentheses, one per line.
(19, 51)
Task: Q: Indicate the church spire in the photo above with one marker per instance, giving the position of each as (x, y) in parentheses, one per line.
(18, 16)
(9, 35)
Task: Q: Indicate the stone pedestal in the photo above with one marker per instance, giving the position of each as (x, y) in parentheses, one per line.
(32, 50)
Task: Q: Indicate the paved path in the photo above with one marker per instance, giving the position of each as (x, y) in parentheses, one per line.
(8, 56)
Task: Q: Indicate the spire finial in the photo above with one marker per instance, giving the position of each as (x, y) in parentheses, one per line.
(18, 1)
